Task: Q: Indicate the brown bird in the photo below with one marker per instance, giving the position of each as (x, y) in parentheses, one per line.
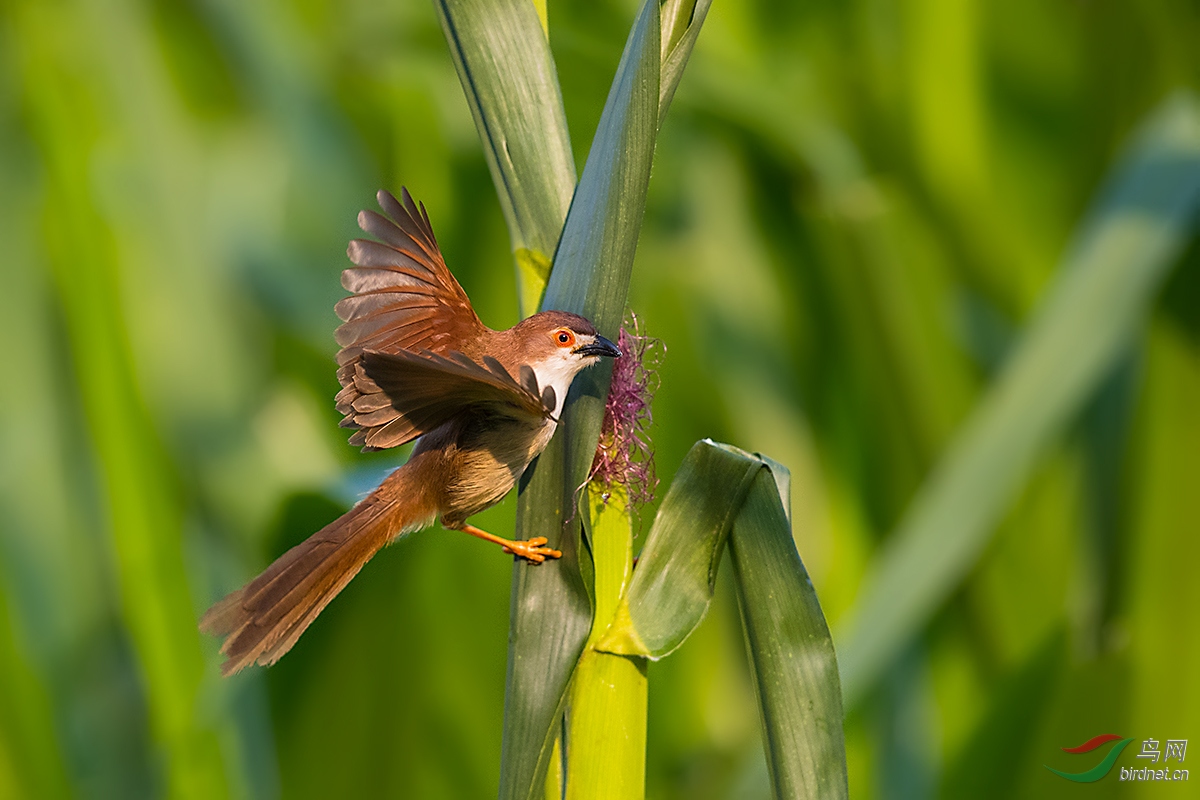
(416, 363)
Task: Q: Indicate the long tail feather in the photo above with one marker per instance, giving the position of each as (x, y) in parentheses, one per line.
(262, 620)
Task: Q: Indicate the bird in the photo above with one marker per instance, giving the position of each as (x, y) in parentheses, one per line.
(416, 363)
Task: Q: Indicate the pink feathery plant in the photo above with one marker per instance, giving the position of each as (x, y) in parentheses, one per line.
(624, 456)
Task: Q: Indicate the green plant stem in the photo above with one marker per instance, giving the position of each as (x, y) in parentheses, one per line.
(606, 712)
(554, 772)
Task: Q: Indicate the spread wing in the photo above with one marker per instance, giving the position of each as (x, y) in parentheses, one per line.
(403, 395)
(404, 297)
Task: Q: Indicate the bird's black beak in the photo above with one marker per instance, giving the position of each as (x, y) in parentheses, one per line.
(600, 347)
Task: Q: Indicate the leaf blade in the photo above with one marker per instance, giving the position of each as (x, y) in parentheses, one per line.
(673, 584)
(681, 23)
(508, 74)
(790, 650)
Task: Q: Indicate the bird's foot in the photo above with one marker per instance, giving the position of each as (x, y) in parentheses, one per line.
(532, 550)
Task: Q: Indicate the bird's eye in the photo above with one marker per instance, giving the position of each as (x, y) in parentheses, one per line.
(564, 338)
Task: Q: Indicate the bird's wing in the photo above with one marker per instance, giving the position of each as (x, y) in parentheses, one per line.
(403, 395)
(404, 297)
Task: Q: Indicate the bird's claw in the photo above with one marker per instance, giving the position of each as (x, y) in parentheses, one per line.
(532, 550)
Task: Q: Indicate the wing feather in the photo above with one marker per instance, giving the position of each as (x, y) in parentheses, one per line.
(403, 298)
(367, 254)
(403, 395)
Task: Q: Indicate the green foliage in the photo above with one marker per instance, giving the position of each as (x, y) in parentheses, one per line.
(1083, 329)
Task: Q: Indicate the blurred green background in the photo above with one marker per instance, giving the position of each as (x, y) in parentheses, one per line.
(854, 209)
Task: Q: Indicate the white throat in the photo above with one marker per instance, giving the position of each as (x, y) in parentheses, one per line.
(558, 371)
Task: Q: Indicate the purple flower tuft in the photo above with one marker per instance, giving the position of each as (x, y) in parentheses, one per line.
(624, 456)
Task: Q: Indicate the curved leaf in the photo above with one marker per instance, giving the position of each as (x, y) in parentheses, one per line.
(722, 492)
(673, 583)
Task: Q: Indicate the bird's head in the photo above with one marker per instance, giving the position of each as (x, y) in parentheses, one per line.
(557, 345)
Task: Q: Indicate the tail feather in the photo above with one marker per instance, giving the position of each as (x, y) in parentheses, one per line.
(262, 620)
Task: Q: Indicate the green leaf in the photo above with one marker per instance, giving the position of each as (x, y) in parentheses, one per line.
(507, 72)
(789, 649)
(1158, 565)
(681, 21)
(31, 764)
(550, 615)
(722, 492)
(595, 257)
(673, 583)
(1087, 321)
(533, 267)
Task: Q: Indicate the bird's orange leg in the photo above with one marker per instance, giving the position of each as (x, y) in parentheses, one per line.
(531, 550)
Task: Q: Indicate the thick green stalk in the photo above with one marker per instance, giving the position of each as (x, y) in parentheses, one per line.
(606, 711)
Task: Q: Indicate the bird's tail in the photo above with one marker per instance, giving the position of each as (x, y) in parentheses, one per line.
(262, 620)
